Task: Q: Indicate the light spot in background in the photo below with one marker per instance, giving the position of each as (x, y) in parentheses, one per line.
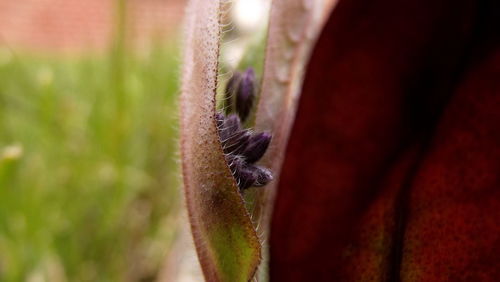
(12, 152)
(248, 20)
(49, 270)
(36, 276)
(233, 53)
(250, 14)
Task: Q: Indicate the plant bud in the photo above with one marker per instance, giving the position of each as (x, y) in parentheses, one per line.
(230, 127)
(231, 87)
(262, 175)
(245, 94)
(257, 147)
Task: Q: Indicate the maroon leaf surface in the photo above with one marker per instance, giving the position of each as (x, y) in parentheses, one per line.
(393, 166)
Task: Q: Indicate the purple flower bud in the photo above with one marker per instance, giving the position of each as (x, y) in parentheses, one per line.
(230, 127)
(263, 176)
(257, 147)
(237, 142)
(246, 178)
(245, 94)
(219, 119)
(231, 87)
(244, 175)
(241, 147)
(235, 162)
(247, 175)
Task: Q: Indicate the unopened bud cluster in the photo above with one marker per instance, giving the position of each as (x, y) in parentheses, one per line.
(242, 147)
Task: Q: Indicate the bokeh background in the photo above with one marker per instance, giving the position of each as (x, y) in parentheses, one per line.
(90, 186)
(89, 181)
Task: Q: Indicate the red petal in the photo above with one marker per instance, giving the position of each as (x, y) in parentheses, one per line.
(392, 170)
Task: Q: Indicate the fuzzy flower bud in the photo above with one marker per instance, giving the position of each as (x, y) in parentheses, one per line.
(245, 94)
(242, 149)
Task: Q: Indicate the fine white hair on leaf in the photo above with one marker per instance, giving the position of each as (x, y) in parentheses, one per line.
(227, 245)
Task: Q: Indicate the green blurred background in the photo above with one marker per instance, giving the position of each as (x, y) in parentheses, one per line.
(89, 180)
(89, 170)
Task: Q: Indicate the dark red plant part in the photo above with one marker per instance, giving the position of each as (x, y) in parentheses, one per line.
(392, 172)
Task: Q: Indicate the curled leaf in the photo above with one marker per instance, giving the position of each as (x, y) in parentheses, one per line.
(226, 242)
(293, 29)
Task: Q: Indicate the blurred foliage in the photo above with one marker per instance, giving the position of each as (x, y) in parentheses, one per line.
(88, 172)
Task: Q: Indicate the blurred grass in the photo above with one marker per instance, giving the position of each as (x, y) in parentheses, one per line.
(88, 173)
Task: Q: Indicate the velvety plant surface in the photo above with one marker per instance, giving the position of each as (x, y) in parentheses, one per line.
(392, 168)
